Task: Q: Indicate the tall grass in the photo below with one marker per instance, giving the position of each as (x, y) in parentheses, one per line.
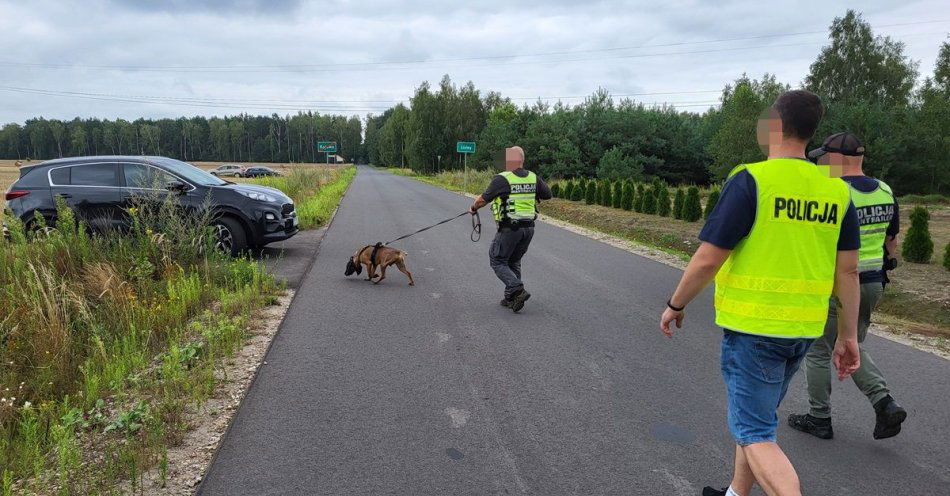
(316, 192)
(105, 341)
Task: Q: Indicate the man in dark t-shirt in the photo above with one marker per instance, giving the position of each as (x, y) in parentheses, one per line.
(879, 224)
(513, 195)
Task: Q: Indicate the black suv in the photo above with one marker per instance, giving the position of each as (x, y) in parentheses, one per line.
(101, 189)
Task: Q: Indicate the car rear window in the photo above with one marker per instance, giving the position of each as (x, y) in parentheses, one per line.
(94, 175)
(33, 178)
(60, 175)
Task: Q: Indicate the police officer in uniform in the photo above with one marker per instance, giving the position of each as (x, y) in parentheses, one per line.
(781, 239)
(514, 196)
(880, 223)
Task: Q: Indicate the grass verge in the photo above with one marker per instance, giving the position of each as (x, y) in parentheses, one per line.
(925, 313)
(106, 342)
(316, 192)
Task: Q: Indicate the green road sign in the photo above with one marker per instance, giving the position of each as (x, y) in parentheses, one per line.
(465, 147)
(326, 146)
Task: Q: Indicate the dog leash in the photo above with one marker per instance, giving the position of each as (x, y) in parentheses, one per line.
(476, 227)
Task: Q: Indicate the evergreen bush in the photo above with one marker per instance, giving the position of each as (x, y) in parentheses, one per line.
(626, 202)
(617, 194)
(638, 198)
(575, 191)
(692, 208)
(556, 190)
(649, 199)
(663, 201)
(711, 203)
(678, 202)
(918, 247)
(591, 193)
(946, 257)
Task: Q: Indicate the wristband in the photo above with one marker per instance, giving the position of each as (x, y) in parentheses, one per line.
(669, 303)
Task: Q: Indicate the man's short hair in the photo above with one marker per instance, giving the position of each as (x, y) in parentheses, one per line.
(800, 112)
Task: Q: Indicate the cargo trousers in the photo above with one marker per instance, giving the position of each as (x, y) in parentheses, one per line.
(868, 378)
(509, 245)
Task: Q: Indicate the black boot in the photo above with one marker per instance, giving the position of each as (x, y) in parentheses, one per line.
(890, 415)
(818, 427)
(505, 302)
(711, 491)
(518, 299)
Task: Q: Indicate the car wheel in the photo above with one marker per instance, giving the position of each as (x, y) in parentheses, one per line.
(230, 237)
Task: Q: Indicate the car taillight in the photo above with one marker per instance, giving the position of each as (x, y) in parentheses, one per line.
(14, 194)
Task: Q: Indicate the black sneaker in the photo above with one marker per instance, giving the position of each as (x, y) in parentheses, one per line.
(890, 415)
(711, 491)
(818, 427)
(518, 299)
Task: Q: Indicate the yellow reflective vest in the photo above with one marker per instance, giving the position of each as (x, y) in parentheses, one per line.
(778, 280)
(875, 211)
(521, 203)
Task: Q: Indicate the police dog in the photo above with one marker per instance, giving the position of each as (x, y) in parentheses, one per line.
(377, 255)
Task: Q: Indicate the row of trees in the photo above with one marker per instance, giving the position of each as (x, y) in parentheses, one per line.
(247, 138)
(652, 198)
(867, 83)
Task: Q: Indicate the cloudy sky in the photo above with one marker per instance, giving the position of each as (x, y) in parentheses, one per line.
(153, 58)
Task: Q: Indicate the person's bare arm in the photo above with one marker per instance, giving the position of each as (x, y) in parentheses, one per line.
(479, 203)
(847, 291)
(699, 273)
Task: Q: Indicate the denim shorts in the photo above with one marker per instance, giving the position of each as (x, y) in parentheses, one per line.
(757, 371)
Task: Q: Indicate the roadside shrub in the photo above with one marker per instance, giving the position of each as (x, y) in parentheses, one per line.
(606, 195)
(678, 202)
(692, 208)
(568, 190)
(578, 193)
(663, 201)
(556, 190)
(618, 194)
(711, 203)
(591, 196)
(626, 202)
(946, 257)
(918, 247)
(649, 199)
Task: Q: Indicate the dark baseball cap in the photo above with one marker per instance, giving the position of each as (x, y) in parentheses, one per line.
(843, 143)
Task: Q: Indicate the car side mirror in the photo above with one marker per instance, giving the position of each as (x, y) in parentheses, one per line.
(176, 187)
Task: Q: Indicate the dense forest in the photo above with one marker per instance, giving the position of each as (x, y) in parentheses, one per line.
(868, 84)
(231, 138)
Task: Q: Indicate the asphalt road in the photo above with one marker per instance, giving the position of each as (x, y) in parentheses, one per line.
(436, 389)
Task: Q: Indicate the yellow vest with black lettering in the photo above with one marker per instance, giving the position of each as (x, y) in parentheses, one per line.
(778, 280)
(521, 203)
(875, 211)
